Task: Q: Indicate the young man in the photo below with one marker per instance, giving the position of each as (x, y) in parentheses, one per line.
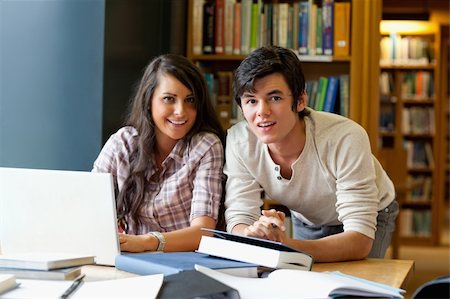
(317, 164)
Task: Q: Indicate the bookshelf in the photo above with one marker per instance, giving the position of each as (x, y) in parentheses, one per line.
(409, 121)
(359, 61)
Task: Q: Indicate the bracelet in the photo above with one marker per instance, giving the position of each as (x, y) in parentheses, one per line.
(161, 239)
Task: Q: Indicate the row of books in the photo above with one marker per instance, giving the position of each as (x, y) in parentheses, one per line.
(418, 120)
(417, 85)
(415, 223)
(314, 27)
(419, 155)
(404, 50)
(330, 94)
(422, 190)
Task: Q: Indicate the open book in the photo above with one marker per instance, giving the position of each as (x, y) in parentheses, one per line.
(254, 250)
(288, 283)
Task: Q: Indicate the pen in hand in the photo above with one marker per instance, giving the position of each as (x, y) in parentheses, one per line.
(75, 284)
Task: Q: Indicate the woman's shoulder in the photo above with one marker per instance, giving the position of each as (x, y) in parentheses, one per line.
(125, 137)
(207, 138)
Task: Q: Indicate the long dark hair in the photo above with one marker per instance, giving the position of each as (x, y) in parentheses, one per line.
(131, 197)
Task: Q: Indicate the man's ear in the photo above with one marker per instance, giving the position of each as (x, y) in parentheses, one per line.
(301, 103)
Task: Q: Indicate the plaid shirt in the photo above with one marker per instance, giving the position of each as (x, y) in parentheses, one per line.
(188, 186)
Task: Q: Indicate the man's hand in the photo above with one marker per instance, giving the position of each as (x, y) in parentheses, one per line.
(269, 226)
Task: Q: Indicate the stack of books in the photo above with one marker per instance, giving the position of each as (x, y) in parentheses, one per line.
(53, 266)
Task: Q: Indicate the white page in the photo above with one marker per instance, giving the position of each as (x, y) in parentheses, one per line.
(288, 283)
(134, 287)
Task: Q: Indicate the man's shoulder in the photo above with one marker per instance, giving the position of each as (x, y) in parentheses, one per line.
(240, 132)
(333, 124)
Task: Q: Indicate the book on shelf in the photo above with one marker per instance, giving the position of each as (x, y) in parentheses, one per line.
(219, 29)
(7, 282)
(197, 30)
(69, 273)
(303, 20)
(254, 250)
(237, 29)
(341, 29)
(344, 95)
(319, 48)
(229, 26)
(321, 93)
(327, 26)
(331, 94)
(169, 263)
(208, 27)
(312, 28)
(246, 25)
(44, 260)
(284, 283)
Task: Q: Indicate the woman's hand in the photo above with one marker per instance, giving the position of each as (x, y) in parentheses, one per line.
(138, 243)
(269, 226)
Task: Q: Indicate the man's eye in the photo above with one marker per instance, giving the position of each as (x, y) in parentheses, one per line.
(275, 98)
(251, 101)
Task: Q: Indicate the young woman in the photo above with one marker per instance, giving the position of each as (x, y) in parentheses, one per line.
(167, 161)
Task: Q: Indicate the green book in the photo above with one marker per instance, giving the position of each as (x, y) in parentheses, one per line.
(321, 93)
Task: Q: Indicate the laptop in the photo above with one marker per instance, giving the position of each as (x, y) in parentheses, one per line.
(58, 211)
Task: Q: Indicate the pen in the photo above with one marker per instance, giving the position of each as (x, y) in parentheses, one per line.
(75, 284)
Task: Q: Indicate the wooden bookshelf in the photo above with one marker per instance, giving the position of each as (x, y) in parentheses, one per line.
(361, 64)
(410, 106)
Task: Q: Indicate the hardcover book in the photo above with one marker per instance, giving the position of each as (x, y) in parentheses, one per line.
(169, 263)
(44, 261)
(254, 250)
(56, 274)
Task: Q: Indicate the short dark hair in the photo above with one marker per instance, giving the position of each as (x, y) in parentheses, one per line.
(265, 61)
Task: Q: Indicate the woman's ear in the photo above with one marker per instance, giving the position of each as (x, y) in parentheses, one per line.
(301, 103)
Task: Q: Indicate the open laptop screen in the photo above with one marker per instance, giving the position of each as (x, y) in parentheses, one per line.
(58, 211)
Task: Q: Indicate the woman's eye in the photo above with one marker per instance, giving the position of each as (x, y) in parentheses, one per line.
(190, 100)
(168, 99)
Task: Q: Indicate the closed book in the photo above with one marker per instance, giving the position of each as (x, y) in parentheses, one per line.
(344, 95)
(208, 27)
(7, 282)
(327, 26)
(303, 21)
(254, 250)
(330, 97)
(219, 30)
(55, 274)
(44, 261)
(237, 29)
(321, 93)
(342, 29)
(175, 262)
(197, 27)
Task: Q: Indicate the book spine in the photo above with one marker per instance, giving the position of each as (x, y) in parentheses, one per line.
(246, 22)
(283, 16)
(254, 27)
(219, 30)
(197, 34)
(133, 265)
(303, 27)
(327, 26)
(319, 48)
(330, 99)
(342, 29)
(208, 27)
(229, 26)
(237, 29)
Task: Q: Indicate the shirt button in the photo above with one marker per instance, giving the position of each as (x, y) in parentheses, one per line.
(279, 177)
(276, 168)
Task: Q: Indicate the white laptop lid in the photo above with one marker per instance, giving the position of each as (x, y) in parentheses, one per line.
(58, 211)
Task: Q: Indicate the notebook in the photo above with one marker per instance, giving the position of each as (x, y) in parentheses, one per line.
(58, 211)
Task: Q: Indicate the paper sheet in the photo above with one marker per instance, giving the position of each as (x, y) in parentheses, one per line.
(134, 287)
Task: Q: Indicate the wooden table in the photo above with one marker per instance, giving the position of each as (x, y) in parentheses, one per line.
(395, 273)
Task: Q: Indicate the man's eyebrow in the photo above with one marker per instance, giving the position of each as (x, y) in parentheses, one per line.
(270, 93)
